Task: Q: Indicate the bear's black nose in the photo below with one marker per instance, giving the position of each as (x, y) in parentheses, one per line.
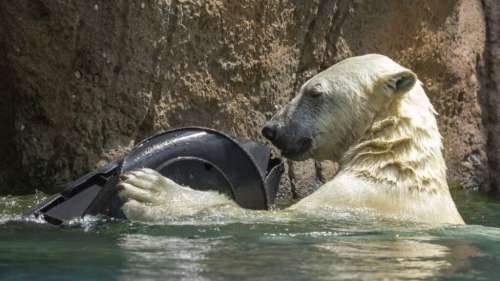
(269, 132)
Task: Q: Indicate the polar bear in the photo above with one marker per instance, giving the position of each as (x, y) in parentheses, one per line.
(369, 114)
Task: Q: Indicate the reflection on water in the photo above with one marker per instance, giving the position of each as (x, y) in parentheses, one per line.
(396, 259)
(177, 258)
(262, 247)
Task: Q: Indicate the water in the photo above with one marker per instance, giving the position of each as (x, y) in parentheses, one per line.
(299, 248)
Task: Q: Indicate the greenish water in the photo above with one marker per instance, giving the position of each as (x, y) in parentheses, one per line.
(345, 247)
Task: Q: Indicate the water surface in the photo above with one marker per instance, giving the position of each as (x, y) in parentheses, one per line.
(300, 248)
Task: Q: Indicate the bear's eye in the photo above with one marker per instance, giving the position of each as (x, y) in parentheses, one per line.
(315, 93)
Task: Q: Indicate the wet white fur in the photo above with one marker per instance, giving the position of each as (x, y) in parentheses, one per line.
(153, 197)
(387, 143)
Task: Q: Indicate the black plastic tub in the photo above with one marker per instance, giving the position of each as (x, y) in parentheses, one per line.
(201, 158)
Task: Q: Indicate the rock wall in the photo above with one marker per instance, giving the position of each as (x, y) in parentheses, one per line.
(490, 73)
(84, 80)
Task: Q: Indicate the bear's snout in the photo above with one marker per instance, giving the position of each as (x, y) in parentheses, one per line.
(290, 144)
(269, 131)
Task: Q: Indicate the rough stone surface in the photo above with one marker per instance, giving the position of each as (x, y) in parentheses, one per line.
(491, 88)
(82, 81)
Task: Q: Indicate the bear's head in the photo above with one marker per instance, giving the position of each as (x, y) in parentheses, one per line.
(334, 108)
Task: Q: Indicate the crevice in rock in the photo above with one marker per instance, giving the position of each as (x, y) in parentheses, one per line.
(122, 39)
(490, 88)
(292, 180)
(341, 13)
(159, 58)
(318, 169)
(12, 179)
(76, 43)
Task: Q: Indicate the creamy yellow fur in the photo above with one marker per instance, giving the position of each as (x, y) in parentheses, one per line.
(402, 147)
(396, 168)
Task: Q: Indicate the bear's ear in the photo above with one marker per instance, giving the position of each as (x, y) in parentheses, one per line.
(401, 82)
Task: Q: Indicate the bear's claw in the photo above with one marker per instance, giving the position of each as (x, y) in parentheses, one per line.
(130, 191)
(140, 185)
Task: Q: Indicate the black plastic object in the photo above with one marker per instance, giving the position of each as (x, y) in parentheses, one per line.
(201, 158)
